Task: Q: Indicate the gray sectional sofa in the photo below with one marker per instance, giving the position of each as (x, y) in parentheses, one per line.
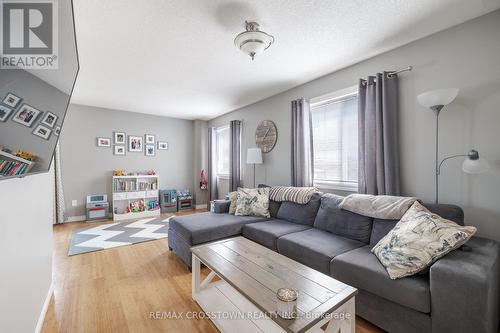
(459, 293)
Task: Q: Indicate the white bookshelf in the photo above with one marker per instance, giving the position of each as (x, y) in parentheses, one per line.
(10, 157)
(133, 191)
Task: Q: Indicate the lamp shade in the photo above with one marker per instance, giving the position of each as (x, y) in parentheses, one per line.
(437, 97)
(254, 156)
(475, 166)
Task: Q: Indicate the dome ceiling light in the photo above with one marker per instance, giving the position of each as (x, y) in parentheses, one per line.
(253, 41)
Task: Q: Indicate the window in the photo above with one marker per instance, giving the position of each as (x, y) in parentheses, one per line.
(222, 145)
(335, 140)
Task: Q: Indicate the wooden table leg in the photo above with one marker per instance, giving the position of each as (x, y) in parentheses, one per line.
(196, 267)
(347, 325)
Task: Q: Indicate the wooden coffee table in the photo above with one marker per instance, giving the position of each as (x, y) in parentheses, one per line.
(244, 299)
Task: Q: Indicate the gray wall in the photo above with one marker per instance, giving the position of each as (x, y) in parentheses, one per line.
(200, 151)
(467, 57)
(40, 95)
(27, 214)
(87, 169)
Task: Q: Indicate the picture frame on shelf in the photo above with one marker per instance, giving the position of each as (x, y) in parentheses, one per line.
(11, 100)
(57, 130)
(150, 150)
(162, 145)
(103, 142)
(119, 150)
(135, 143)
(42, 131)
(49, 119)
(119, 138)
(150, 139)
(26, 115)
(4, 113)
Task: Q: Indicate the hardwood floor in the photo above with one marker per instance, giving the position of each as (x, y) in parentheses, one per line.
(116, 290)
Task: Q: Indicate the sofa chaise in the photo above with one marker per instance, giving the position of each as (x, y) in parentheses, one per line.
(458, 293)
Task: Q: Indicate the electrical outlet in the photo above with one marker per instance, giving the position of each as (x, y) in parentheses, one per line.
(74, 203)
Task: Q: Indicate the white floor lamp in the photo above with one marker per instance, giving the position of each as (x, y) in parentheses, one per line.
(254, 156)
(436, 100)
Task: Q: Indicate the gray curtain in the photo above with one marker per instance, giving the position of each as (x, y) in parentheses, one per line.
(59, 193)
(211, 173)
(302, 144)
(235, 155)
(378, 135)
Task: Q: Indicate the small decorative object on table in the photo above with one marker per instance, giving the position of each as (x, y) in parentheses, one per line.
(287, 303)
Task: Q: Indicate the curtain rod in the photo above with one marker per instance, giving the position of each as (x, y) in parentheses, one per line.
(406, 69)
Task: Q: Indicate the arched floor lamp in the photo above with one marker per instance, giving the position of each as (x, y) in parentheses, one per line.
(436, 100)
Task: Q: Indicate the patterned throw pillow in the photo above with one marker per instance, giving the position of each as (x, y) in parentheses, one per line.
(419, 239)
(253, 201)
(233, 196)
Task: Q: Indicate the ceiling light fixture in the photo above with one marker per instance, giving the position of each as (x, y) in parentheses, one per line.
(253, 41)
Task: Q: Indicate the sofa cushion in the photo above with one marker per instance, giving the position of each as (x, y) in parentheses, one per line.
(301, 214)
(205, 227)
(381, 227)
(361, 269)
(449, 212)
(267, 233)
(342, 222)
(315, 248)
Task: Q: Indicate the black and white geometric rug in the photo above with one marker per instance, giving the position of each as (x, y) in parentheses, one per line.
(106, 236)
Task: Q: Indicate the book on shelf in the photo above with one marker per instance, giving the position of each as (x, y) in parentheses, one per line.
(131, 185)
(12, 168)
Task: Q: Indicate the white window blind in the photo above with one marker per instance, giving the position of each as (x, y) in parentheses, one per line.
(222, 138)
(335, 142)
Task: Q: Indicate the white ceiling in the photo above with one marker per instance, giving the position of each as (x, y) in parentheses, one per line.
(177, 58)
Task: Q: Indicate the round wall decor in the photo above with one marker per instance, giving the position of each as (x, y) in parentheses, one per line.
(266, 136)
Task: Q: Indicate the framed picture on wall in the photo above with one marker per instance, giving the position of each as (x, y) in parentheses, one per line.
(103, 142)
(150, 150)
(135, 143)
(42, 132)
(11, 100)
(4, 113)
(150, 139)
(26, 115)
(162, 145)
(119, 138)
(119, 150)
(49, 119)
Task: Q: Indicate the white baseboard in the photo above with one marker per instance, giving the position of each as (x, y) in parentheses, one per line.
(41, 319)
(77, 218)
(201, 206)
